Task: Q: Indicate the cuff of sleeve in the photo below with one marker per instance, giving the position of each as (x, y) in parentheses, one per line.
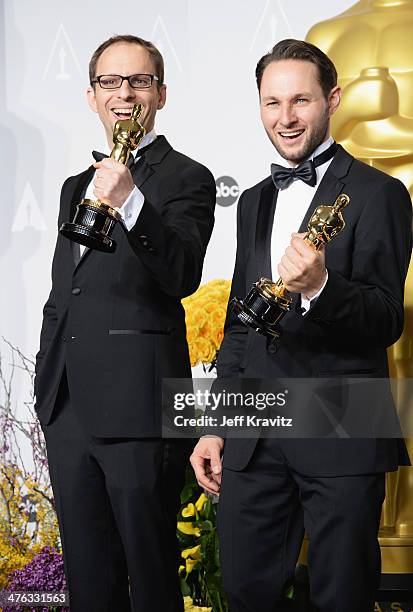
(307, 303)
(132, 207)
(336, 296)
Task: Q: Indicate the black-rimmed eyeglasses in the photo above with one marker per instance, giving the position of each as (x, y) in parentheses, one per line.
(136, 81)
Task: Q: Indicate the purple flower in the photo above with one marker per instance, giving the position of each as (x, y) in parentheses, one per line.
(45, 572)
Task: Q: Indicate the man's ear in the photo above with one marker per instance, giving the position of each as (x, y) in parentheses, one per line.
(334, 99)
(91, 99)
(162, 97)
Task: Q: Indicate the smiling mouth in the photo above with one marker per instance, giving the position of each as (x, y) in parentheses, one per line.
(122, 113)
(291, 135)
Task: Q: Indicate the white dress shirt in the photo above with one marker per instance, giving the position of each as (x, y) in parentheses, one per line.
(132, 206)
(292, 205)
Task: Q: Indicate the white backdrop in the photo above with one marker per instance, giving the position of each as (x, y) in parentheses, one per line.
(47, 130)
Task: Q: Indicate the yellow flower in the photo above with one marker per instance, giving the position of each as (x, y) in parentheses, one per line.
(189, 606)
(193, 355)
(192, 556)
(201, 501)
(17, 545)
(217, 316)
(206, 330)
(181, 569)
(217, 336)
(188, 603)
(205, 350)
(188, 300)
(199, 317)
(190, 564)
(191, 333)
(205, 313)
(192, 552)
(188, 528)
(188, 511)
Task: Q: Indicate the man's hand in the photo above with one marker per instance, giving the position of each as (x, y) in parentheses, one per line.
(207, 464)
(113, 182)
(302, 268)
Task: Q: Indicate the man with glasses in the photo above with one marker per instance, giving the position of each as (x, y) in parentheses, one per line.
(113, 327)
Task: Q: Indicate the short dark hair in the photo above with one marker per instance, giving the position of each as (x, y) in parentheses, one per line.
(133, 40)
(304, 51)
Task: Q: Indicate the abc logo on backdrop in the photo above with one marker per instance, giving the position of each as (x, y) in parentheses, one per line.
(227, 190)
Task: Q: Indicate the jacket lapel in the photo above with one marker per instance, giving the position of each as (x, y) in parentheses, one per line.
(331, 184)
(146, 165)
(80, 190)
(327, 192)
(77, 197)
(141, 171)
(265, 219)
(71, 204)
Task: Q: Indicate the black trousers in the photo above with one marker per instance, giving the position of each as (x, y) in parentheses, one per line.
(262, 514)
(117, 501)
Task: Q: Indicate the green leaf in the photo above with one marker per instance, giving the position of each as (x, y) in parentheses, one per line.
(187, 493)
(185, 590)
(207, 526)
(208, 510)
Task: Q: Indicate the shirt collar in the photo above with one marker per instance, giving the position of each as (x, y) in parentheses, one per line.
(322, 147)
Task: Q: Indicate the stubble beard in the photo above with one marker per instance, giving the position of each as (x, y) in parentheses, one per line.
(311, 143)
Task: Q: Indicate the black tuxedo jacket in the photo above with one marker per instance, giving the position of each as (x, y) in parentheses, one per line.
(347, 330)
(115, 321)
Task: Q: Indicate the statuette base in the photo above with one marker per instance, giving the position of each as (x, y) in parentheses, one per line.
(93, 228)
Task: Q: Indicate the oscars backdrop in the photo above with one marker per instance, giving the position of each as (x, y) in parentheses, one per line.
(47, 133)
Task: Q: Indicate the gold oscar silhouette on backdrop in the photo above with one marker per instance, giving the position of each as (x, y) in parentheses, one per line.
(371, 45)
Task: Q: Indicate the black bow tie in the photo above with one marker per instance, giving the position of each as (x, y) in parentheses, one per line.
(131, 159)
(283, 177)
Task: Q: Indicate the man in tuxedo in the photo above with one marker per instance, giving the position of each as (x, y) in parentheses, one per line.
(113, 327)
(347, 308)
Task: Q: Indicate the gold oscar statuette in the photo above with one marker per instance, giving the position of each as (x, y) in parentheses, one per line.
(268, 302)
(94, 220)
(375, 124)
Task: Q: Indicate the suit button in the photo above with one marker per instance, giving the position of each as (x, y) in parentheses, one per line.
(76, 291)
(144, 240)
(64, 338)
(272, 346)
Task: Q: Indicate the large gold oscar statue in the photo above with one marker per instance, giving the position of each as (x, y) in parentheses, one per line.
(371, 45)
